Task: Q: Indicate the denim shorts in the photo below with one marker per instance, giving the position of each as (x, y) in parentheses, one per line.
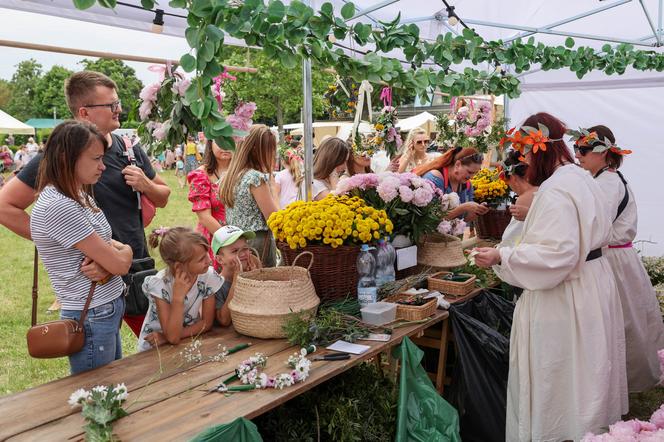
(102, 335)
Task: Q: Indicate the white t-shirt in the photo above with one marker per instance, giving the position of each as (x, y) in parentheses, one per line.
(287, 188)
(318, 187)
(161, 286)
(56, 224)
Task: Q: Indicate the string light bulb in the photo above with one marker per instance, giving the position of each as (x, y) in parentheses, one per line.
(452, 18)
(158, 22)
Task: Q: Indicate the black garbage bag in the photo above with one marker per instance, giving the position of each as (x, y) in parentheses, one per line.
(481, 329)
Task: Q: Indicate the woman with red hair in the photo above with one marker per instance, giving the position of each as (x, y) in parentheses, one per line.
(451, 172)
(567, 345)
(597, 152)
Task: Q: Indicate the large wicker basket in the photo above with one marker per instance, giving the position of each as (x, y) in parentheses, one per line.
(442, 251)
(334, 273)
(451, 288)
(264, 298)
(492, 224)
(413, 312)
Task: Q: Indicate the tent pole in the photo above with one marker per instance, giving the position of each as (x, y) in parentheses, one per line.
(659, 21)
(650, 22)
(87, 53)
(307, 126)
(569, 20)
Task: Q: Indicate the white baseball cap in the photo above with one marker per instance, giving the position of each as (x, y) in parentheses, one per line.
(227, 235)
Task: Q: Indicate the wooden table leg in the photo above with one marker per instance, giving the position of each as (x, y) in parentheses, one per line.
(442, 357)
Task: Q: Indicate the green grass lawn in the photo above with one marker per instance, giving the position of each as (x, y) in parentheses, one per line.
(19, 371)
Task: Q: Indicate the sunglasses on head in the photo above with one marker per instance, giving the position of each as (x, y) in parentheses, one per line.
(475, 158)
(583, 151)
(423, 142)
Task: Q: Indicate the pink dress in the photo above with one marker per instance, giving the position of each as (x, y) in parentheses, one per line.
(204, 194)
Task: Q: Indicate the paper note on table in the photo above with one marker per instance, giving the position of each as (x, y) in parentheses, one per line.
(347, 347)
(406, 257)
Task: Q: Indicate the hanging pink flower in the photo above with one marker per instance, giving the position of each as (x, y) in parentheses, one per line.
(144, 110)
(180, 87)
(245, 109)
(159, 132)
(149, 92)
(238, 123)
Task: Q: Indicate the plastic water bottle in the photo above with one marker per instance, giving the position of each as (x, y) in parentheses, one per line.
(384, 263)
(366, 284)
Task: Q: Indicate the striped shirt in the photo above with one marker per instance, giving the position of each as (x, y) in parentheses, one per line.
(56, 224)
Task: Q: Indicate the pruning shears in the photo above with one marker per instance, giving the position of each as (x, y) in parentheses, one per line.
(332, 357)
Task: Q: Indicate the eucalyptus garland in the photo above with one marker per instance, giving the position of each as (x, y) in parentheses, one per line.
(289, 32)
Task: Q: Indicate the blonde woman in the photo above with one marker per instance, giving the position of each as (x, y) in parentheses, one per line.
(415, 150)
(247, 191)
(329, 163)
(289, 179)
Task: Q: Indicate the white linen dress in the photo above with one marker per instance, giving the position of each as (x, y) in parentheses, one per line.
(644, 329)
(567, 346)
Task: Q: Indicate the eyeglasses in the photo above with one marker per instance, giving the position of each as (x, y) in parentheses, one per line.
(474, 158)
(113, 106)
(423, 142)
(583, 151)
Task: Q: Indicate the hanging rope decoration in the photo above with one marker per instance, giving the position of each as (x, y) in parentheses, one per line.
(365, 91)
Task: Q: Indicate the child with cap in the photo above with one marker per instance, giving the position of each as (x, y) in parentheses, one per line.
(232, 252)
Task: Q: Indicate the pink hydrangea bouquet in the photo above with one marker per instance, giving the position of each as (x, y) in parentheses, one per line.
(415, 206)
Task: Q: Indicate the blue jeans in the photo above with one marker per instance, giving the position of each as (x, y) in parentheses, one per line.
(102, 335)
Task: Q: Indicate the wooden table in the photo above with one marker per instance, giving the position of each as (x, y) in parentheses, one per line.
(167, 399)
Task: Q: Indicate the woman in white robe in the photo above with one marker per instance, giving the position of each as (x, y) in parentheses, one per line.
(567, 350)
(644, 329)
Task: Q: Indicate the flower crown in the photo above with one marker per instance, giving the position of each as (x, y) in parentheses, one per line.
(287, 152)
(527, 139)
(508, 167)
(583, 137)
(361, 146)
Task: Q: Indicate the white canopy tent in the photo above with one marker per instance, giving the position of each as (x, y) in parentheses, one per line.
(10, 125)
(425, 120)
(629, 104)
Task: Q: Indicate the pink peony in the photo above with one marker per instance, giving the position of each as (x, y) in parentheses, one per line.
(445, 227)
(422, 196)
(245, 109)
(406, 178)
(406, 194)
(657, 417)
(144, 110)
(651, 436)
(625, 428)
(238, 123)
(388, 189)
(418, 182)
(160, 131)
(149, 92)
(459, 227)
(180, 87)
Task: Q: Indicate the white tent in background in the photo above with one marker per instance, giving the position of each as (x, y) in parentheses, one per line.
(340, 129)
(10, 125)
(425, 120)
(629, 104)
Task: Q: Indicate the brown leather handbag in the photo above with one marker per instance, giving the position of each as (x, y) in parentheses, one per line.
(55, 339)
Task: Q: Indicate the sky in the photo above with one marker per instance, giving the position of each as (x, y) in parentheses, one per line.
(54, 31)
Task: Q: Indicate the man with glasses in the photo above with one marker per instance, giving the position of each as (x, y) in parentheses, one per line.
(92, 97)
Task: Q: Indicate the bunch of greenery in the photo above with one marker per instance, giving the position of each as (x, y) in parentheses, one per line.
(655, 268)
(358, 405)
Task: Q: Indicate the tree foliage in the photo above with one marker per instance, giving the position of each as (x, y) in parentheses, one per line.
(276, 90)
(24, 83)
(49, 93)
(5, 93)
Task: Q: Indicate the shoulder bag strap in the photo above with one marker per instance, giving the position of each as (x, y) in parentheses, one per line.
(84, 313)
(35, 289)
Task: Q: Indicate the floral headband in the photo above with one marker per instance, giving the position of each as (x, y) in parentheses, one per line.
(584, 138)
(161, 231)
(528, 139)
(508, 167)
(290, 153)
(361, 146)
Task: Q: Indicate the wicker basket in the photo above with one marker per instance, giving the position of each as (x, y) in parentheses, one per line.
(334, 273)
(451, 288)
(264, 298)
(413, 312)
(492, 224)
(443, 251)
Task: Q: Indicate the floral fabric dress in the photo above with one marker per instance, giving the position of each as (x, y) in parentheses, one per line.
(203, 195)
(161, 286)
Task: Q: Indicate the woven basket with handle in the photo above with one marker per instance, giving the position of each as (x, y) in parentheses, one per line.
(442, 251)
(451, 288)
(334, 273)
(413, 312)
(264, 298)
(493, 223)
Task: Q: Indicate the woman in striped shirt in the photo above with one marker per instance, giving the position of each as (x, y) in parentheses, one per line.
(71, 233)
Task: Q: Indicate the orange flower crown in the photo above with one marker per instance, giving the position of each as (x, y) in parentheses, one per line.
(527, 139)
(584, 138)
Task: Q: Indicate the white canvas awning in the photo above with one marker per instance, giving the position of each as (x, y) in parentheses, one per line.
(10, 125)
(425, 120)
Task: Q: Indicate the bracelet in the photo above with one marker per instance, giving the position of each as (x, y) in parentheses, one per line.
(104, 281)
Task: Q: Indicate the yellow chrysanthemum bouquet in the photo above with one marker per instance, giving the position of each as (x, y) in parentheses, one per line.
(490, 188)
(333, 221)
